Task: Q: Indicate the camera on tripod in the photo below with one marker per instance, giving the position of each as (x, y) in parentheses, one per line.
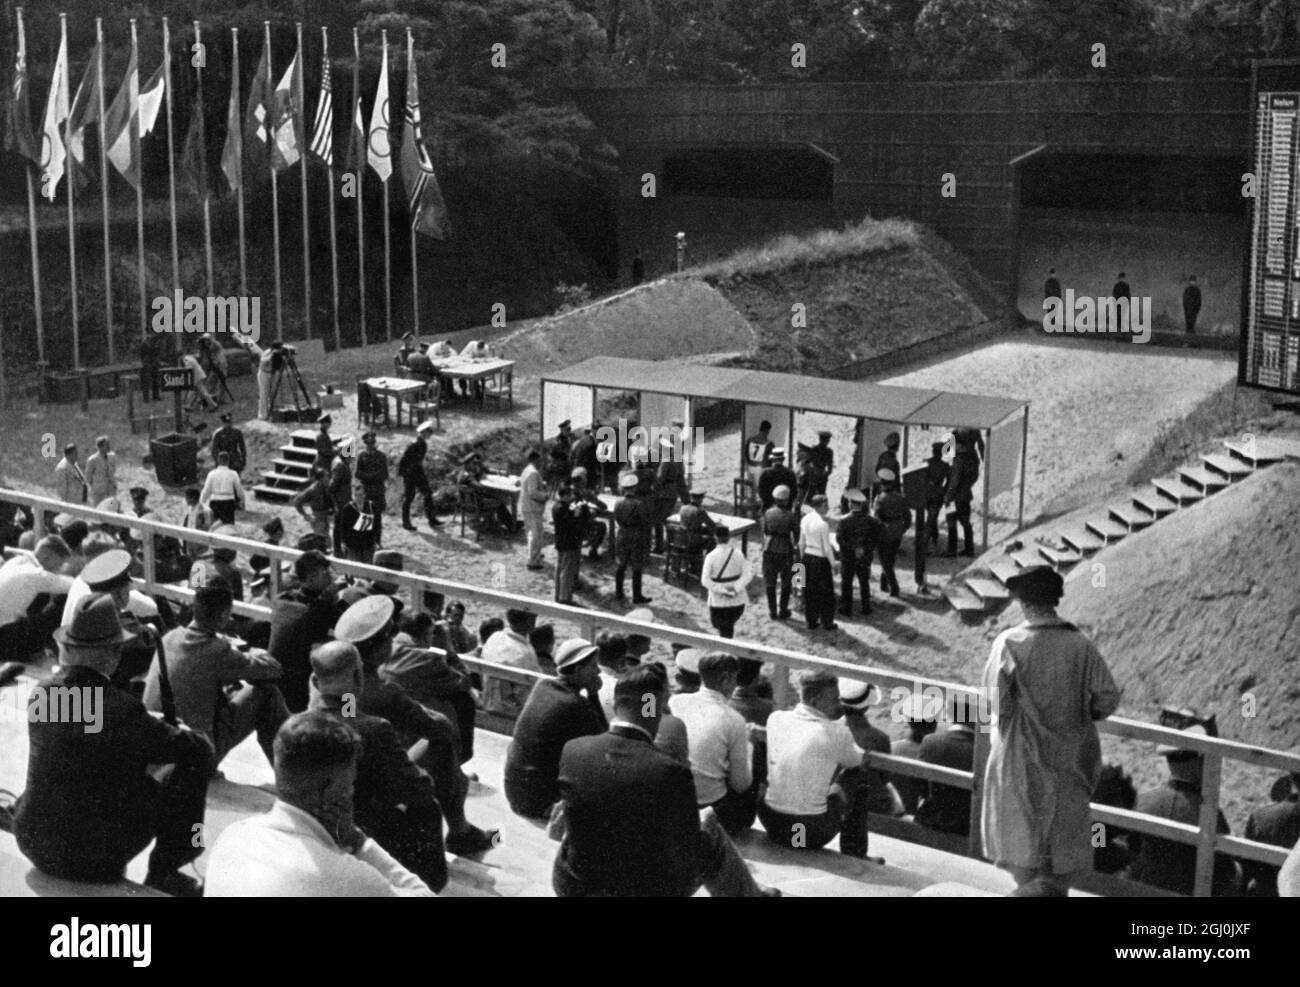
(303, 409)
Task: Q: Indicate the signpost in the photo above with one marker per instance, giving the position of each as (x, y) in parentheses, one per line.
(178, 380)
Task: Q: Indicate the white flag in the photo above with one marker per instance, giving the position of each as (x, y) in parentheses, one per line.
(53, 153)
(151, 97)
(378, 151)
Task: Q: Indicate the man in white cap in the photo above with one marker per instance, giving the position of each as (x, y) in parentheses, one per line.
(632, 547)
(414, 480)
(895, 518)
(857, 536)
(876, 793)
(558, 710)
(817, 554)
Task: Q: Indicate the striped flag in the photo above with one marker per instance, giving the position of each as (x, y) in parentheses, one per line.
(18, 120)
(286, 112)
(53, 152)
(424, 197)
(322, 139)
(378, 151)
(121, 125)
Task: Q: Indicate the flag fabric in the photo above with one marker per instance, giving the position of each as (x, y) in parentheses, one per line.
(256, 126)
(18, 120)
(53, 153)
(151, 97)
(286, 112)
(378, 152)
(232, 153)
(85, 111)
(424, 197)
(122, 126)
(322, 140)
(194, 155)
(356, 140)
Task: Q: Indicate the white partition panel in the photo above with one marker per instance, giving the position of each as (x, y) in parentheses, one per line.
(1004, 455)
(575, 402)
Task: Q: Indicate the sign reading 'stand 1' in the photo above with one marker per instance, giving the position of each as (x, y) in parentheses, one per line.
(1270, 334)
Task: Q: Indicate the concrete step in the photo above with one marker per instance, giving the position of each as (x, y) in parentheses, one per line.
(1082, 540)
(1182, 494)
(1257, 452)
(1003, 568)
(1109, 530)
(1151, 500)
(1059, 558)
(1232, 468)
(962, 599)
(1205, 480)
(988, 590)
(1130, 516)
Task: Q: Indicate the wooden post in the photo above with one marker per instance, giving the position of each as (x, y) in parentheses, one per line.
(982, 744)
(150, 557)
(988, 454)
(1208, 823)
(1024, 467)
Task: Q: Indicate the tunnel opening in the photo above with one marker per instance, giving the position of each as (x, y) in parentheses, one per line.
(751, 173)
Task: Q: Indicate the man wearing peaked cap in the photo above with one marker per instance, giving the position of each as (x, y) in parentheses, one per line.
(857, 535)
(410, 467)
(230, 440)
(634, 523)
(558, 710)
(891, 510)
(780, 541)
(87, 824)
(776, 475)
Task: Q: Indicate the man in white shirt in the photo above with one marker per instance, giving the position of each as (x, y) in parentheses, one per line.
(817, 553)
(814, 771)
(202, 397)
(222, 492)
(721, 760)
(725, 574)
(532, 507)
(69, 482)
(441, 350)
(265, 362)
(307, 845)
(22, 579)
(101, 471)
(510, 646)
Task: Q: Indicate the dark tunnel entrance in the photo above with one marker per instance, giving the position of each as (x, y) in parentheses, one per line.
(751, 173)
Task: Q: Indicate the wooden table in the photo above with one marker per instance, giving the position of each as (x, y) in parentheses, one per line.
(736, 525)
(502, 488)
(399, 388)
(478, 371)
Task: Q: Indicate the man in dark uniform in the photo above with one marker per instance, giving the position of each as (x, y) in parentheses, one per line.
(696, 522)
(892, 512)
(583, 456)
(821, 461)
(670, 486)
(777, 475)
(302, 616)
(1052, 286)
(937, 474)
(340, 493)
(780, 539)
(419, 366)
(558, 465)
(759, 446)
(632, 547)
(404, 353)
(230, 440)
(97, 797)
(1278, 824)
(961, 486)
(414, 480)
(1191, 304)
(888, 460)
(324, 444)
(858, 534)
(372, 475)
(558, 710)
(596, 529)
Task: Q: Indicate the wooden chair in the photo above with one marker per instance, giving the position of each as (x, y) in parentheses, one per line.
(744, 498)
(683, 555)
(369, 406)
(470, 501)
(427, 404)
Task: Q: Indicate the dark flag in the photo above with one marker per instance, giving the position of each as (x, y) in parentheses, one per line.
(194, 155)
(423, 196)
(18, 119)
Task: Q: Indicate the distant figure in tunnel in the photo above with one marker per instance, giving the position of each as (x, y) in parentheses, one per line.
(1191, 303)
(1052, 286)
(1121, 290)
(638, 268)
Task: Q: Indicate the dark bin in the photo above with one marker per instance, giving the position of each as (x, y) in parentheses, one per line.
(175, 459)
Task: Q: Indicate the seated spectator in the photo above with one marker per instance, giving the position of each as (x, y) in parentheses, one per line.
(196, 516)
(718, 738)
(95, 794)
(857, 698)
(74, 535)
(1288, 878)
(946, 808)
(97, 543)
(814, 772)
(558, 710)
(542, 639)
(1278, 824)
(218, 562)
(109, 572)
(1166, 863)
(510, 647)
(368, 624)
(221, 692)
(920, 724)
(32, 594)
(272, 534)
(611, 656)
(433, 676)
(752, 699)
(638, 645)
(671, 738)
(1114, 787)
(636, 831)
(462, 638)
(686, 663)
(302, 616)
(306, 845)
(394, 801)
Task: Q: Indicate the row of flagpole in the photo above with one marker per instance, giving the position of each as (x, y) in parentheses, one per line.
(276, 117)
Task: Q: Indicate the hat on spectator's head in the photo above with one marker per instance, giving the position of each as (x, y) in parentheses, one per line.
(916, 709)
(138, 492)
(778, 452)
(886, 475)
(311, 560)
(578, 471)
(390, 559)
(855, 496)
(781, 493)
(936, 448)
(407, 337)
(273, 527)
(858, 695)
(95, 624)
(627, 481)
(110, 505)
(223, 551)
(61, 521)
(425, 427)
(107, 571)
(564, 424)
(688, 660)
(696, 494)
(573, 652)
(643, 614)
(1036, 582)
(364, 619)
(824, 433)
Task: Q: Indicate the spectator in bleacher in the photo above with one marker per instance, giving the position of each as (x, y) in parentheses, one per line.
(946, 808)
(218, 562)
(368, 624)
(612, 657)
(196, 516)
(222, 692)
(686, 662)
(1169, 864)
(718, 738)
(510, 647)
(74, 536)
(920, 724)
(487, 628)
(1051, 687)
(542, 638)
(815, 780)
(725, 575)
(69, 481)
(1114, 787)
(636, 831)
(307, 845)
(109, 572)
(106, 578)
(638, 645)
(101, 471)
(671, 738)
(857, 698)
(92, 801)
(430, 671)
(272, 534)
(1288, 878)
(302, 616)
(222, 492)
(752, 699)
(462, 638)
(394, 801)
(32, 594)
(557, 710)
(1278, 824)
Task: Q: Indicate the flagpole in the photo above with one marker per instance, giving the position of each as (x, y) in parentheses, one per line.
(388, 257)
(139, 204)
(32, 228)
(275, 194)
(239, 189)
(415, 274)
(207, 193)
(103, 181)
(171, 166)
(72, 209)
(329, 168)
(360, 165)
(306, 233)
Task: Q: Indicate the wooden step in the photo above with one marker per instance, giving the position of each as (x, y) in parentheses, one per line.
(263, 492)
(292, 467)
(1179, 492)
(1027, 557)
(1233, 469)
(962, 599)
(1003, 568)
(299, 452)
(1059, 558)
(1199, 476)
(1256, 453)
(1082, 540)
(1151, 500)
(1129, 516)
(988, 590)
(1109, 530)
(289, 482)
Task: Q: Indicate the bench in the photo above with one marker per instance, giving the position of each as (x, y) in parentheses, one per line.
(67, 386)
